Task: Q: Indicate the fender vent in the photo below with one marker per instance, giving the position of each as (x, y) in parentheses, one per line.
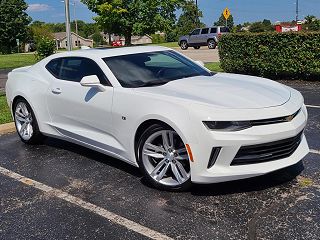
(213, 156)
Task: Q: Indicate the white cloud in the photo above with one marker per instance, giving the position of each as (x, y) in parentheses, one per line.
(38, 7)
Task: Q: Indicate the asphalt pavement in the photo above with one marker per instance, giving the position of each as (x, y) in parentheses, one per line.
(71, 192)
(203, 54)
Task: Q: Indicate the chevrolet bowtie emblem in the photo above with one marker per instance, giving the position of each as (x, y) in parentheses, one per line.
(289, 118)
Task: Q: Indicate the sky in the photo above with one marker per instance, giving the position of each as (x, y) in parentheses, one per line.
(242, 10)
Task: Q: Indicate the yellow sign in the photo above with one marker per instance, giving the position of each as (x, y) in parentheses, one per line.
(226, 13)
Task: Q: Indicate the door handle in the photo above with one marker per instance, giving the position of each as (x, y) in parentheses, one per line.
(56, 90)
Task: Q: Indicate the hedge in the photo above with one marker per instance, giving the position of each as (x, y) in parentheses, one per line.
(273, 55)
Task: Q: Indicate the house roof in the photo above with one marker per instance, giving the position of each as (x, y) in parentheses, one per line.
(62, 35)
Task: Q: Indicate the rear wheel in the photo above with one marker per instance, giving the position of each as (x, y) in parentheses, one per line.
(196, 47)
(184, 45)
(26, 123)
(212, 44)
(163, 159)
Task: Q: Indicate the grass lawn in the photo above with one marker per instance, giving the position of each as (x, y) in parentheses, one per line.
(214, 67)
(16, 60)
(5, 115)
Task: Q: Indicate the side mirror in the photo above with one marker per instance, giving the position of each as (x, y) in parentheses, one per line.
(92, 81)
(200, 63)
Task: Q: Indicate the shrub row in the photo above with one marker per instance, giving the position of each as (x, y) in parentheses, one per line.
(273, 55)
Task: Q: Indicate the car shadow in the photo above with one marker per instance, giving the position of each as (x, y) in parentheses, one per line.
(280, 177)
(93, 155)
(277, 178)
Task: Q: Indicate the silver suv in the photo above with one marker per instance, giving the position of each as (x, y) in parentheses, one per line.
(202, 37)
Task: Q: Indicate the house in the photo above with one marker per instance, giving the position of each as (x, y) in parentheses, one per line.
(137, 40)
(77, 40)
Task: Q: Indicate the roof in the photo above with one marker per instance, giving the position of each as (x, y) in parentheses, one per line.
(62, 35)
(110, 52)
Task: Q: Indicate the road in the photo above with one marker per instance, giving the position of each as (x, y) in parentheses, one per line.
(203, 54)
(3, 78)
(72, 193)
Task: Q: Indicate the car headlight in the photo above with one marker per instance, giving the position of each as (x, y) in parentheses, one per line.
(227, 125)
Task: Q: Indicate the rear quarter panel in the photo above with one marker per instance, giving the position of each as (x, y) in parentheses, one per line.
(29, 83)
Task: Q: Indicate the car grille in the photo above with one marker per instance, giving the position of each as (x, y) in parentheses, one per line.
(267, 152)
(274, 120)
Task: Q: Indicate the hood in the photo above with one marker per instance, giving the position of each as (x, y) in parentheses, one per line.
(225, 90)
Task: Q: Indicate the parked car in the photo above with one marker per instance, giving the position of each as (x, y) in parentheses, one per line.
(117, 43)
(202, 37)
(156, 109)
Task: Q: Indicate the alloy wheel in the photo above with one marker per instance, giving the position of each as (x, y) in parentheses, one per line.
(165, 158)
(23, 120)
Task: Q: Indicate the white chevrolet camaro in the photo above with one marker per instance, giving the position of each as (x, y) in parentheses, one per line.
(159, 110)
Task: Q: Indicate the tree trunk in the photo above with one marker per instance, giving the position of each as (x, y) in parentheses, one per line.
(110, 40)
(127, 37)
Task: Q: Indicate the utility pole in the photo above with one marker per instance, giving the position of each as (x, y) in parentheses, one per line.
(67, 10)
(76, 21)
(196, 20)
(297, 10)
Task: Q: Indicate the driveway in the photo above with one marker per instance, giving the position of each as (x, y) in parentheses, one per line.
(59, 190)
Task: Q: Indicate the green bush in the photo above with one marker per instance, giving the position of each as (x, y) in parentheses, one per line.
(157, 38)
(45, 47)
(272, 55)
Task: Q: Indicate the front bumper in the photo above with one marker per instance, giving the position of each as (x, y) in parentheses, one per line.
(231, 142)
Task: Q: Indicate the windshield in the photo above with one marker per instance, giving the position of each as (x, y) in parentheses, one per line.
(152, 68)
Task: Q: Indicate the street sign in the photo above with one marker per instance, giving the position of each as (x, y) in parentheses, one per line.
(226, 13)
(18, 42)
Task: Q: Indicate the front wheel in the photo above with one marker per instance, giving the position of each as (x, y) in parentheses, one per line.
(163, 159)
(184, 45)
(26, 123)
(212, 44)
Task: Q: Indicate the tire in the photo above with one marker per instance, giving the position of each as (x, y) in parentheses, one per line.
(196, 47)
(26, 123)
(169, 167)
(184, 45)
(212, 44)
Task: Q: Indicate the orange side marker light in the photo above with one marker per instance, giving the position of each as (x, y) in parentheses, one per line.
(189, 152)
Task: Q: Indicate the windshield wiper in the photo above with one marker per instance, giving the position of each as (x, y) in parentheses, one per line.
(153, 83)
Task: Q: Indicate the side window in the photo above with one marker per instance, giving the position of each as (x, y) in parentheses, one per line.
(75, 68)
(205, 31)
(195, 32)
(213, 30)
(54, 67)
(224, 29)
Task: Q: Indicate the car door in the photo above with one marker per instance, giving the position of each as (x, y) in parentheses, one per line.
(194, 37)
(213, 33)
(78, 112)
(204, 35)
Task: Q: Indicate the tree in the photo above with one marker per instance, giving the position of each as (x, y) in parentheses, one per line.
(189, 19)
(222, 21)
(128, 17)
(310, 18)
(97, 39)
(312, 23)
(13, 23)
(264, 26)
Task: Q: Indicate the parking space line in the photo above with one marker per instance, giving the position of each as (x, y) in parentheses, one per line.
(133, 226)
(314, 151)
(312, 106)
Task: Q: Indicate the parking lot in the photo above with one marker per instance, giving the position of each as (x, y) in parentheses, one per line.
(62, 191)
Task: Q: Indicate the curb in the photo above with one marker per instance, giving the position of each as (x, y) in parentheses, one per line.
(7, 128)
